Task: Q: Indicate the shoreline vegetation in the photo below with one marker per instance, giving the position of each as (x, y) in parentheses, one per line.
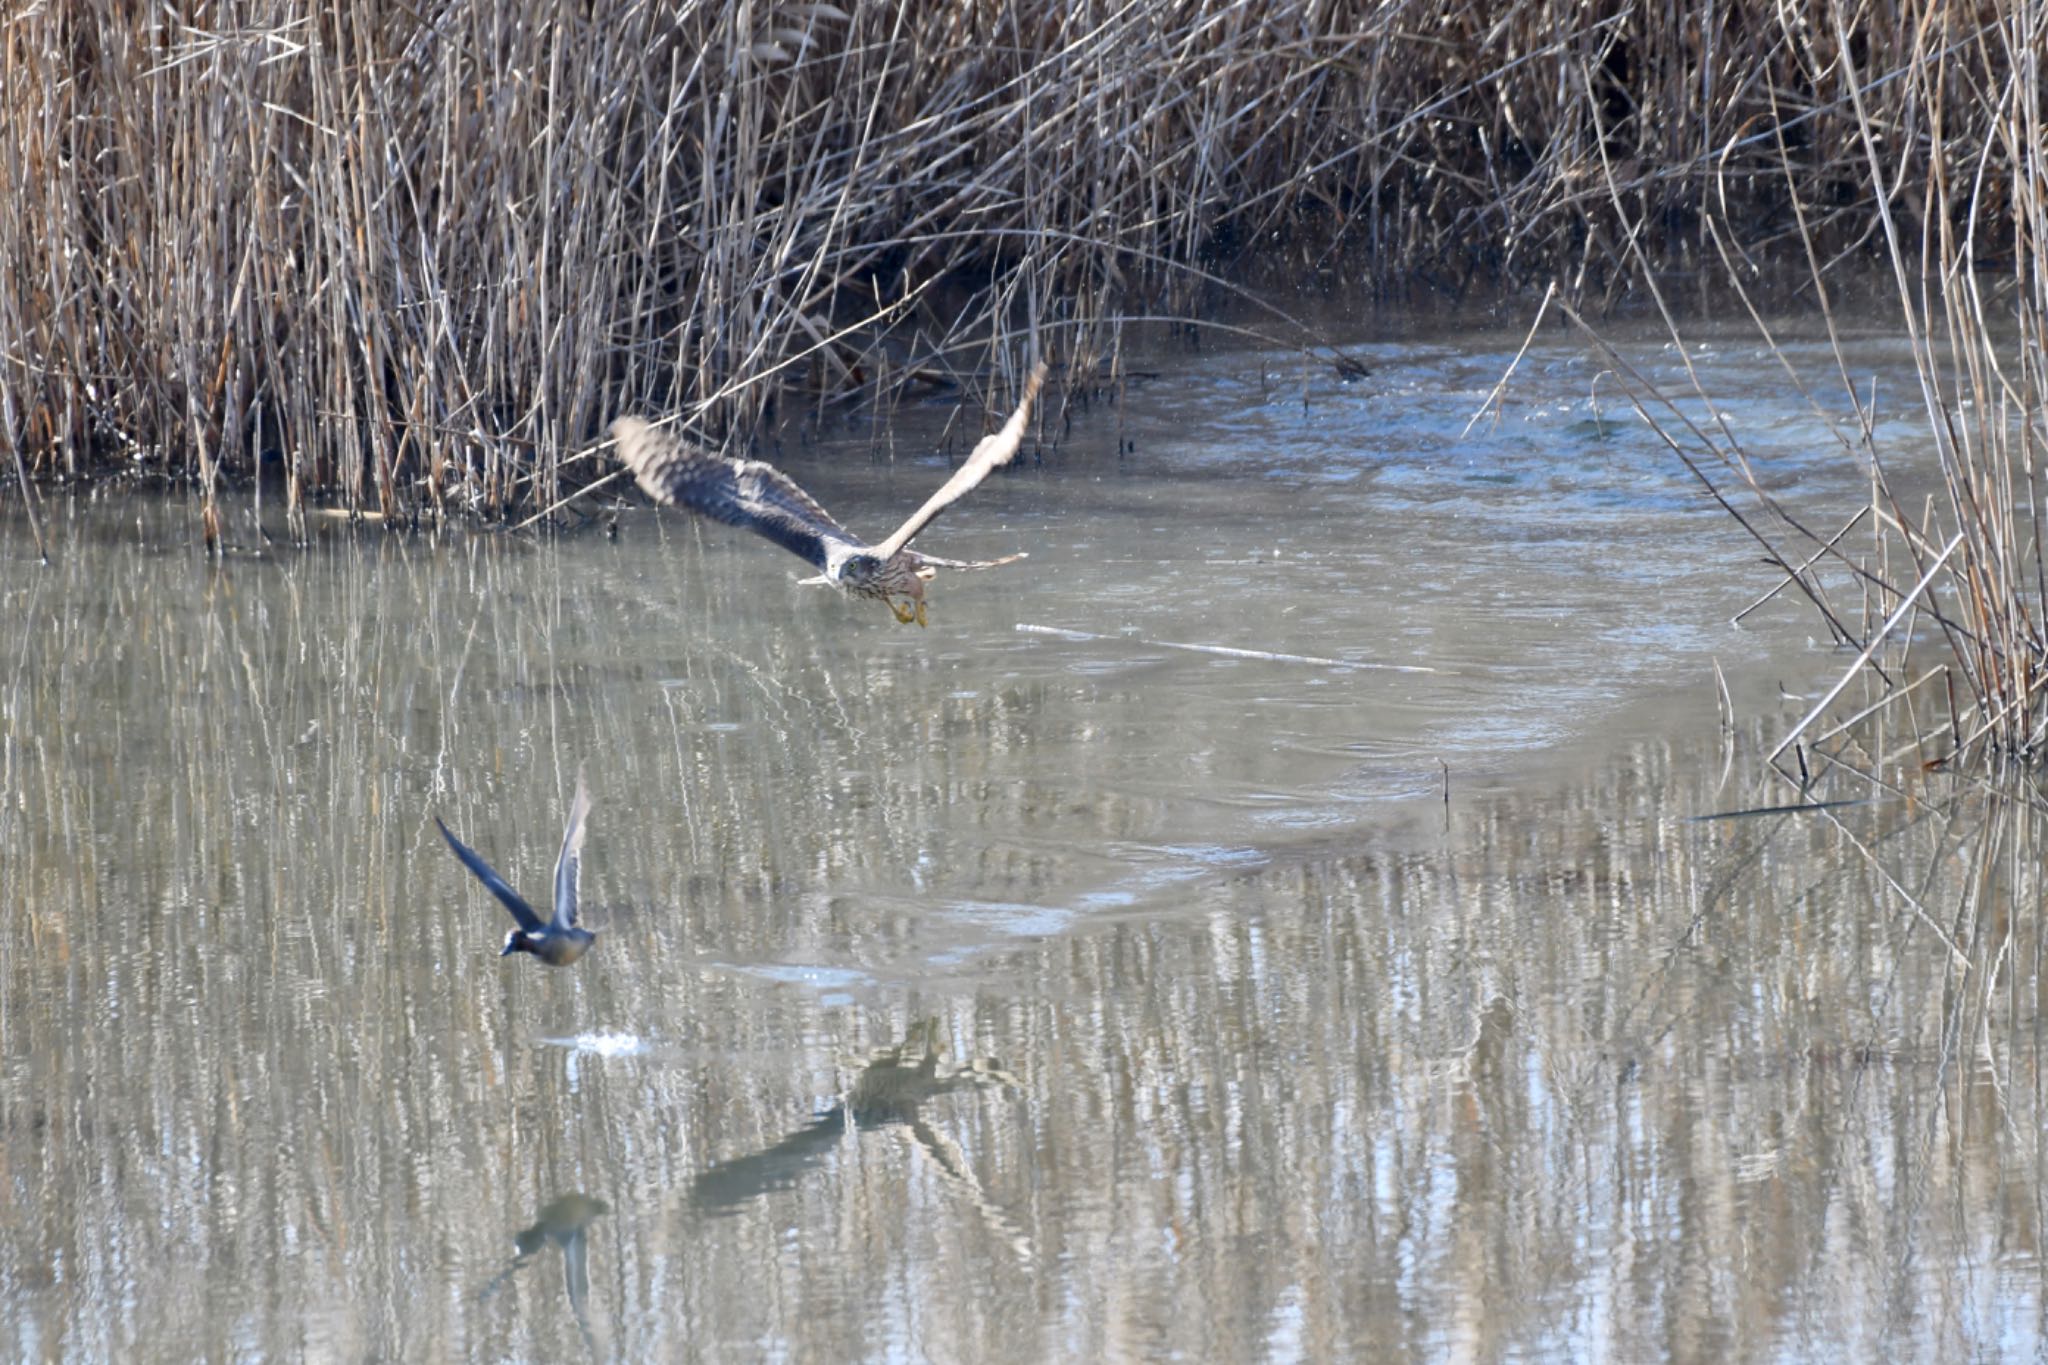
(414, 259)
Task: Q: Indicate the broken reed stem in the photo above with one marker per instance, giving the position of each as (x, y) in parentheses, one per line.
(1869, 649)
(1792, 575)
(1850, 722)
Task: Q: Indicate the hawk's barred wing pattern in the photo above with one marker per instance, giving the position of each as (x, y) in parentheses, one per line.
(750, 494)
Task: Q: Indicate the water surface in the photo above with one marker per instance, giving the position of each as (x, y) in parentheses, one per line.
(1097, 974)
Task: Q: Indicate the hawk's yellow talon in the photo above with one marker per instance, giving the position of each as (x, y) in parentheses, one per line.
(920, 611)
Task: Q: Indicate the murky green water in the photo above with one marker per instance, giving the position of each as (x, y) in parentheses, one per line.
(1027, 987)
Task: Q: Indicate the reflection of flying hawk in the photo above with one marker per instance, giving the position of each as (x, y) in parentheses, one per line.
(762, 498)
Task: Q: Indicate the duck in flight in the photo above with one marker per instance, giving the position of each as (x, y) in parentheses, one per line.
(758, 496)
(558, 941)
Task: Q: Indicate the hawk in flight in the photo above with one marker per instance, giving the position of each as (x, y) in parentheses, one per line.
(760, 497)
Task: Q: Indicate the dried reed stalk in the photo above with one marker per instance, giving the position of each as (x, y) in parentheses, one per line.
(1947, 172)
(416, 253)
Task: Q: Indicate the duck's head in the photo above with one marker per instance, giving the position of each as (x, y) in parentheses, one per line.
(516, 942)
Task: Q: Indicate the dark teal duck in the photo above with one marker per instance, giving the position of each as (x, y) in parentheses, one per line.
(557, 941)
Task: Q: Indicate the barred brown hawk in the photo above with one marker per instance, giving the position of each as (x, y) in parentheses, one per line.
(763, 499)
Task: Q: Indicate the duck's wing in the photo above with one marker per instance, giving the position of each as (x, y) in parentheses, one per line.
(748, 493)
(576, 1271)
(570, 864)
(495, 884)
(989, 454)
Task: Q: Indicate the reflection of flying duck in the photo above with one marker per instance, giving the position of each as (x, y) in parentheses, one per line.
(556, 941)
(563, 1222)
(888, 1093)
(761, 498)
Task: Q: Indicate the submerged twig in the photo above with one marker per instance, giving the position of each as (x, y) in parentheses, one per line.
(1225, 651)
(1796, 808)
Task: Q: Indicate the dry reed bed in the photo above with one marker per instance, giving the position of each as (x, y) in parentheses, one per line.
(420, 254)
(1950, 157)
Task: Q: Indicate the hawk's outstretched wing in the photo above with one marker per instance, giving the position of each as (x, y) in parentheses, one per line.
(748, 493)
(991, 452)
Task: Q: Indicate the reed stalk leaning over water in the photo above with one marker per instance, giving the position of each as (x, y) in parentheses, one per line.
(416, 255)
(1958, 199)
